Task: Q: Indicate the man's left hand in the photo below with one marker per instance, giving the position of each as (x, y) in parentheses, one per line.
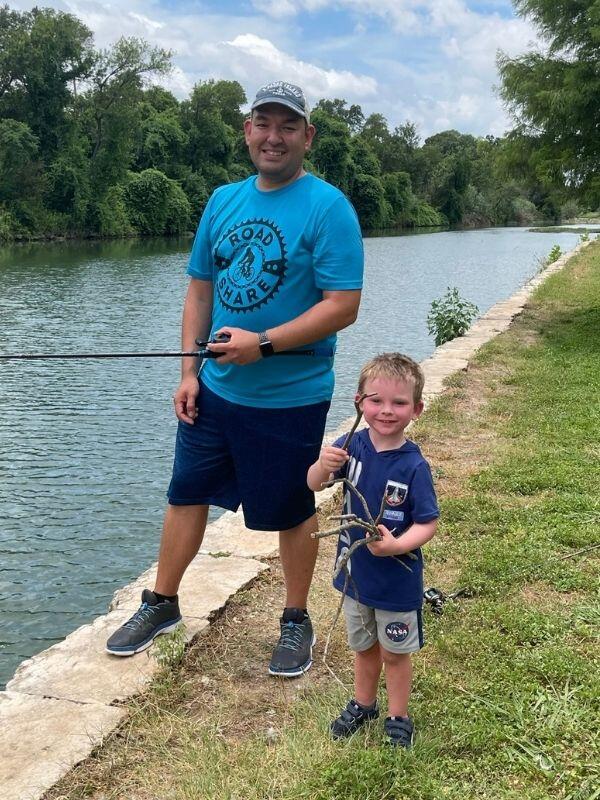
(242, 347)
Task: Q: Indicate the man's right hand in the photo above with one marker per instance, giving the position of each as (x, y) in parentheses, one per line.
(184, 399)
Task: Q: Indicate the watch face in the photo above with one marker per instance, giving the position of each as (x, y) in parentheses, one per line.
(266, 348)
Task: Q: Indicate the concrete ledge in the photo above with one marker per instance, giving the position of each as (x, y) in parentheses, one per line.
(206, 587)
(42, 739)
(58, 706)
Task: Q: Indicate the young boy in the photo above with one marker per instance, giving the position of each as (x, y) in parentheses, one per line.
(383, 600)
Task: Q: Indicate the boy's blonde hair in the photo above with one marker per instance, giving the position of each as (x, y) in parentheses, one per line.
(394, 366)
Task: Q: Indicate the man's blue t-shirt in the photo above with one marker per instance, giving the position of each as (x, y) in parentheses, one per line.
(270, 256)
(404, 477)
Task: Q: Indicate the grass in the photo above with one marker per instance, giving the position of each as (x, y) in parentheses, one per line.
(505, 692)
(564, 229)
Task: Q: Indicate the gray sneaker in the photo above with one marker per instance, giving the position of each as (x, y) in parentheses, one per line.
(293, 654)
(150, 620)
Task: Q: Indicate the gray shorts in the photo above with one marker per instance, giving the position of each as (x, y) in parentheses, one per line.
(396, 631)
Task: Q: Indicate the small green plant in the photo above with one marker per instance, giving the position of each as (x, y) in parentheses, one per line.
(585, 237)
(545, 261)
(450, 316)
(169, 649)
(554, 254)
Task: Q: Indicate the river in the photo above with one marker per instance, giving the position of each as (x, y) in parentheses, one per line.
(86, 447)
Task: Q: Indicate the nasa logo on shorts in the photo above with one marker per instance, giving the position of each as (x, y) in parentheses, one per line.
(397, 631)
(251, 264)
(395, 493)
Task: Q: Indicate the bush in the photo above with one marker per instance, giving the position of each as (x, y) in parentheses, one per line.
(524, 211)
(554, 254)
(569, 210)
(111, 213)
(450, 316)
(156, 204)
(477, 208)
(423, 215)
(9, 227)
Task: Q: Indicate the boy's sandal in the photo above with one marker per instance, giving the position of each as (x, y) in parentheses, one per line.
(351, 719)
(400, 731)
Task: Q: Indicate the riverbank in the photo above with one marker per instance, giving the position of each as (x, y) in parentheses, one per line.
(82, 498)
(223, 705)
(504, 690)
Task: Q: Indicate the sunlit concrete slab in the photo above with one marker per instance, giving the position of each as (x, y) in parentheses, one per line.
(207, 585)
(80, 670)
(42, 739)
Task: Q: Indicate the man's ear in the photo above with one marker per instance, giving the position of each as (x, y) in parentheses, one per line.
(247, 128)
(310, 135)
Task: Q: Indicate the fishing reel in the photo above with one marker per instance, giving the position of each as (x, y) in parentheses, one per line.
(218, 338)
(434, 598)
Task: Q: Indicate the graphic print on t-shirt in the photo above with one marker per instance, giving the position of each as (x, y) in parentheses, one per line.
(251, 263)
(395, 493)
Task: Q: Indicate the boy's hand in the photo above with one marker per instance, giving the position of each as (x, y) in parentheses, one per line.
(332, 458)
(388, 546)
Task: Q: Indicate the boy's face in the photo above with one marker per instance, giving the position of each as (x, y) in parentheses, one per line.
(393, 407)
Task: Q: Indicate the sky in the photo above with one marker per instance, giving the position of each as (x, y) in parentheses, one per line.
(432, 62)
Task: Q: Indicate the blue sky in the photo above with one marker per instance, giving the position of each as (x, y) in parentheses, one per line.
(429, 61)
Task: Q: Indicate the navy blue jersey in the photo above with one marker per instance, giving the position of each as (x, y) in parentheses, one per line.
(404, 477)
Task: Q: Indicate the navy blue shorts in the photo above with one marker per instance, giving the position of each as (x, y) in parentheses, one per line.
(258, 457)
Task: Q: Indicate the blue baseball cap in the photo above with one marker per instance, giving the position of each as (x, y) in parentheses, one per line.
(284, 94)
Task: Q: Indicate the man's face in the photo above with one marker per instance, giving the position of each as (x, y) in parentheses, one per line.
(277, 140)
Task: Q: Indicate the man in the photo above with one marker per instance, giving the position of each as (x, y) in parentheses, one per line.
(277, 265)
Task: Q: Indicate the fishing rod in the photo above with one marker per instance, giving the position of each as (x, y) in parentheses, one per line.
(203, 352)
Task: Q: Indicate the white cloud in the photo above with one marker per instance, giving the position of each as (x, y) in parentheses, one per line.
(276, 8)
(249, 51)
(431, 61)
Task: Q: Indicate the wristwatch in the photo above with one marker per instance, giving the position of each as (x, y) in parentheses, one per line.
(264, 343)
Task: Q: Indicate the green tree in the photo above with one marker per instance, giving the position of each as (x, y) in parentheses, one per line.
(554, 95)
(67, 189)
(19, 161)
(363, 157)
(352, 115)
(162, 145)
(449, 156)
(212, 121)
(400, 154)
(368, 197)
(376, 133)
(398, 193)
(330, 152)
(43, 53)
(112, 105)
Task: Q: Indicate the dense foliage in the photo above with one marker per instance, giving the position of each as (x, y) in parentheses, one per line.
(554, 95)
(90, 146)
